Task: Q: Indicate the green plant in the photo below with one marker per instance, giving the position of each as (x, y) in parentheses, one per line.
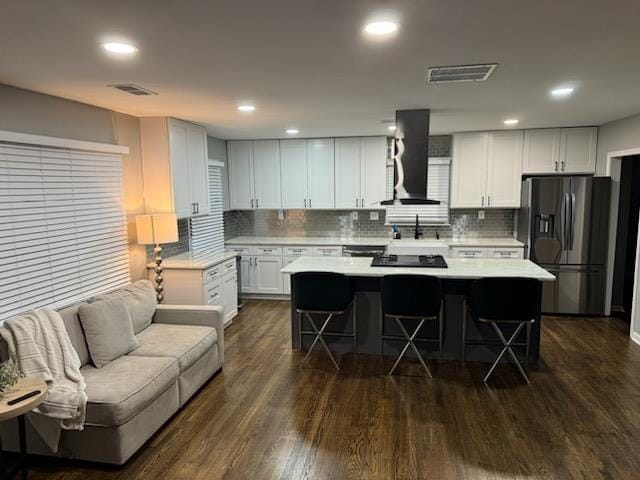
(9, 375)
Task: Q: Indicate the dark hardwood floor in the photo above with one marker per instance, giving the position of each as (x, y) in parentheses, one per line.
(264, 418)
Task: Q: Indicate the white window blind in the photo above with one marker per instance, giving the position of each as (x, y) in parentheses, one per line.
(207, 232)
(437, 189)
(63, 232)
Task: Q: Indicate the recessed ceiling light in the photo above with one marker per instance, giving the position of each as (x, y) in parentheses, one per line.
(246, 108)
(511, 121)
(562, 92)
(292, 131)
(383, 27)
(119, 47)
(392, 128)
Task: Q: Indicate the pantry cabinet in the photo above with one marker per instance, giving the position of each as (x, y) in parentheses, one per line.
(174, 162)
(254, 174)
(558, 151)
(361, 170)
(486, 169)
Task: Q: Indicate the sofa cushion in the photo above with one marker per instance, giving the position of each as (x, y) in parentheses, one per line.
(185, 343)
(125, 387)
(76, 334)
(140, 299)
(108, 330)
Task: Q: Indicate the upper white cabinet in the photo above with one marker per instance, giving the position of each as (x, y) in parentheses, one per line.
(560, 150)
(361, 169)
(486, 169)
(307, 172)
(254, 174)
(174, 162)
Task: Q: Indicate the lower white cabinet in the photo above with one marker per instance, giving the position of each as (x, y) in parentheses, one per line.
(487, 252)
(286, 278)
(267, 276)
(214, 285)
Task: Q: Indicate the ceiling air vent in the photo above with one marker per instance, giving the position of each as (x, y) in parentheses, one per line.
(132, 89)
(460, 73)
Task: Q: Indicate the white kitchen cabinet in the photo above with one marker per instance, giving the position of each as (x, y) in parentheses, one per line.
(254, 174)
(487, 169)
(361, 172)
(267, 276)
(174, 162)
(320, 173)
(293, 164)
(230, 296)
(560, 151)
(286, 278)
(469, 170)
(246, 273)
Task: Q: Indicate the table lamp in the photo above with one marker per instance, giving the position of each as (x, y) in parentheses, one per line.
(155, 229)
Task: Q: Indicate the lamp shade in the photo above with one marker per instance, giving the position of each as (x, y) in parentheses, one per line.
(157, 228)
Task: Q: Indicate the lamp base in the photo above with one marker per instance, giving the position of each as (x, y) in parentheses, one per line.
(157, 252)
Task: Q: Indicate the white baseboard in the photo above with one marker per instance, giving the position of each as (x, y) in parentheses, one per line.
(635, 336)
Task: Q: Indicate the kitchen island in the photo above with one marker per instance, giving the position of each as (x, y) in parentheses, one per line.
(455, 282)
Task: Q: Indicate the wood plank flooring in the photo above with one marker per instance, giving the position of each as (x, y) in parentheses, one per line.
(264, 418)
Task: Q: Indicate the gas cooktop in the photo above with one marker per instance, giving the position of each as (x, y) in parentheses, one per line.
(421, 261)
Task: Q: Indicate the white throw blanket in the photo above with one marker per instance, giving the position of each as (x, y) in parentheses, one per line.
(39, 342)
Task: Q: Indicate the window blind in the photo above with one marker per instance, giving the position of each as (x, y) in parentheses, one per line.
(207, 232)
(63, 232)
(437, 188)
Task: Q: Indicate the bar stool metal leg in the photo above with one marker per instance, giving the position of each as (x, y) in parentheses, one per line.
(319, 338)
(507, 349)
(410, 343)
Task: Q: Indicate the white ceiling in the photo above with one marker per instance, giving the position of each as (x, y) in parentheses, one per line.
(306, 64)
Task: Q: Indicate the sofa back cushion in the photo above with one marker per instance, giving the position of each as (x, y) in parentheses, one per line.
(74, 329)
(108, 330)
(140, 300)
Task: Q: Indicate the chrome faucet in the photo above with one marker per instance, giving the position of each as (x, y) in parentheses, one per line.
(418, 232)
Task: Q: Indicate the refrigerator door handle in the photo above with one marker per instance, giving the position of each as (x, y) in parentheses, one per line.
(573, 220)
(565, 222)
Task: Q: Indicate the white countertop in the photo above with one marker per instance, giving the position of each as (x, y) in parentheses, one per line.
(459, 268)
(194, 261)
(453, 242)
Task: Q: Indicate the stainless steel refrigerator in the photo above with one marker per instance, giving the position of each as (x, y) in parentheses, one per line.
(564, 223)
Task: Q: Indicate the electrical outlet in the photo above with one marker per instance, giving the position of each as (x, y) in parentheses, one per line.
(280, 214)
(480, 214)
(354, 215)
(374, 216)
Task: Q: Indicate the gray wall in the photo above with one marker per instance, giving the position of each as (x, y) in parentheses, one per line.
(617, 135)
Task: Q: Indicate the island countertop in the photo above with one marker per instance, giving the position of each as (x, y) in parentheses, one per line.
(459, 268)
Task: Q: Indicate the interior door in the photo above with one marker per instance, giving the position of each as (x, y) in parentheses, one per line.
(347, 172)
(180, 170)
(198, 174)
(240, 160)
(320, 171)
(548, 215)
(293, 174)
(373, 170)
(504, 169)
(266, 174)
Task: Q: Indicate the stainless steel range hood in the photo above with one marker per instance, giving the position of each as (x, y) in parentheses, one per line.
(411, 152)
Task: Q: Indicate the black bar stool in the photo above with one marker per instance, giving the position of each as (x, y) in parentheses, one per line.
(322, 293)
(412, 297)
(508, 301)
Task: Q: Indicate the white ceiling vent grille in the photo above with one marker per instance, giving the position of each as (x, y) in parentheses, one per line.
(132, 89)
(460, 73)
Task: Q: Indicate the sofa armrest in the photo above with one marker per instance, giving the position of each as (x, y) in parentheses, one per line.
(202, 315)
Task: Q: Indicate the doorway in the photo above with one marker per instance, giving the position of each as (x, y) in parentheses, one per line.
(627, 237)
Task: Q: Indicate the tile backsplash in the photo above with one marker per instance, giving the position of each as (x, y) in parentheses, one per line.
(172, 249)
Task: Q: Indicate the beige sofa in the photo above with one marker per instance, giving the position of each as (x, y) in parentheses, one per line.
(133, 396)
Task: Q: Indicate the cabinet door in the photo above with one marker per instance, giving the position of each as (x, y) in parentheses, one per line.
(230, 296)
(246, 274)
(320, 173)
(267, 276)
(373, 172)
(293, 173)
(541, 151)
(469, 170)
(240, 160)
(180, 170)
(347, 172)
(266, 174)
(198, 172)
(578, 149)
(504, 169)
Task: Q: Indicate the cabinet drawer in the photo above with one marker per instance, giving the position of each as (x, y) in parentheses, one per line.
(297, 251)
(268, 251)
(213, 293)
(506, 252)
(468, 252)
(239, 249)
(335, 251)
(211, 273)
(229, 266)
